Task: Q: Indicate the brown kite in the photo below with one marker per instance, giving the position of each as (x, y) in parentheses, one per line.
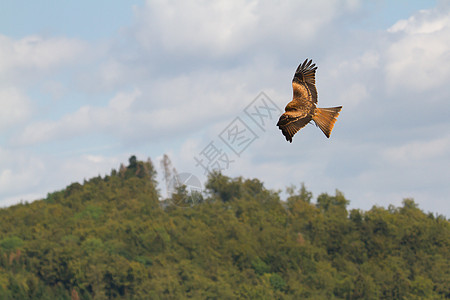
(302, 109)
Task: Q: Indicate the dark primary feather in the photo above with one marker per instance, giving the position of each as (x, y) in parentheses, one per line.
(289, 125)
(306, 75)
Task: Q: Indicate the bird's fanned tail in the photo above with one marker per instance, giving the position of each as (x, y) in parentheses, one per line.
(325, 118)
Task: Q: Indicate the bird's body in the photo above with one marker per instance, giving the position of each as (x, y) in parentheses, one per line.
(303, 109)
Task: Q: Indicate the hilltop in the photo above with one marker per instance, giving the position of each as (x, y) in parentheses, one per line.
(111, 237)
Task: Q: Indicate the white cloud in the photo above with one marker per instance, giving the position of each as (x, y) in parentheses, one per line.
(86, 166)
(223, 28)
(25, 176)
(54, 88)
(86, 120)
(420, 59)
(20, 173)
(173, 106)
(425, 21)
(355, 94)
(112, 73)
(33, 53)
(418, 151)
(15, 107)
(367, 61)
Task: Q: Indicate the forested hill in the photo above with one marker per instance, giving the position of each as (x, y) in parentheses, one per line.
(110, 238)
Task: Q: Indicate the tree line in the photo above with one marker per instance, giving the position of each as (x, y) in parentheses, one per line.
(111, 237)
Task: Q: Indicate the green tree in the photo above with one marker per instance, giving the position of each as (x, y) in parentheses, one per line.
(111, 237)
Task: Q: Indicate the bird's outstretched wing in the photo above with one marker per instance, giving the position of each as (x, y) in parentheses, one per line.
(290, 123)
(304, 82)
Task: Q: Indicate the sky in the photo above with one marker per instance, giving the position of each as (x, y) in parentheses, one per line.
(84, 85)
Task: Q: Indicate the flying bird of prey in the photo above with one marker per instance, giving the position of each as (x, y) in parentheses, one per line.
(302, 109)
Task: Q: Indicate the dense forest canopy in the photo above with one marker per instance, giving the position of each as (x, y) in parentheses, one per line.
(111, 237)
